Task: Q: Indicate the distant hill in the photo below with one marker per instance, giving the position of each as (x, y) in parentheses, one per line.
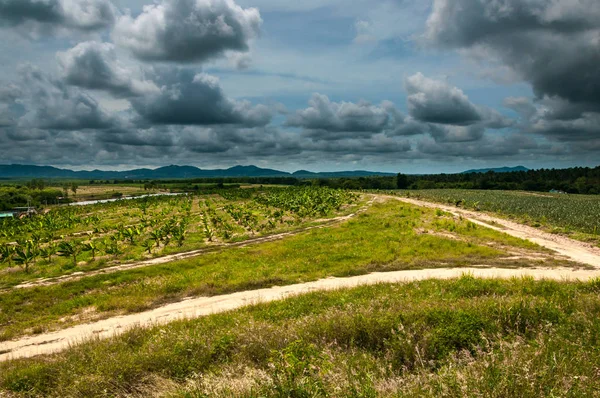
(168, 172)
(497, 170)
(339, 174)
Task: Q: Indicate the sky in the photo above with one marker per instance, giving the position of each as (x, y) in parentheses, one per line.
(414, 86)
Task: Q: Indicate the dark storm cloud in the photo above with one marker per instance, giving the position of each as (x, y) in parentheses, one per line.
(156, 137)
(556, 119)
(325, 115)
(378, 144)
(488, 147)
(554, 45)
(190, 98)
(94, 65)
(434, 101)
(437, 102)
(39, 16)
(48, 103)
(188, 30)
(9, 93)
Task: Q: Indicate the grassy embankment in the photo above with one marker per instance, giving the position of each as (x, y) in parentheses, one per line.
(389, 236)
(573, 215)
(465, 337)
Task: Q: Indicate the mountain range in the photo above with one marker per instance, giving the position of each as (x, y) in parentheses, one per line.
(168, 172)
(15, 171)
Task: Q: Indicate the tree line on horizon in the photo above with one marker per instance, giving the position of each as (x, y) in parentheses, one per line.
(577, 180)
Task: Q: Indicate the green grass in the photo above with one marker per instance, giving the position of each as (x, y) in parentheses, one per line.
(464, 337)
(575, 215)
(385, 238)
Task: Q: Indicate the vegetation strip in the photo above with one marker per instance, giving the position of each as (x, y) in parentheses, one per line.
(389, 236)
(572, 215)
(193, 308)
(576, 251)
(461, 337)
(52, 245)
(181, 256)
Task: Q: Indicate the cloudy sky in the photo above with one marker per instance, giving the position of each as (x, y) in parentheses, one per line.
(393, 85)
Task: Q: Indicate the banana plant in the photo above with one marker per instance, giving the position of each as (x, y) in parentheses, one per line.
(70, 249)
(111, 246)
(131, 233)
(48, 251)
(91, 247)
(179, 235)
(156, 236)
(148, 245)
(6, 254)
(26, 254)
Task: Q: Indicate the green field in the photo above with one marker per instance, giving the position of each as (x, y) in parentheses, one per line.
(388, 236)
(433, 338)
(86, 238)
(577, 215)
(466, 337)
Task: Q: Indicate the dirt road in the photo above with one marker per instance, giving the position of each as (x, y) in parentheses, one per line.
(573, 250)
(197, 307)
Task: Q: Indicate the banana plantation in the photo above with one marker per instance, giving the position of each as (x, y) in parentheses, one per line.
(62, 240)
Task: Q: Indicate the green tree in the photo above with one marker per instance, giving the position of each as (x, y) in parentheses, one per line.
(401, 181)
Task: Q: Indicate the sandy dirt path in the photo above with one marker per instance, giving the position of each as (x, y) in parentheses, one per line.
(573, 250)
(197, 307)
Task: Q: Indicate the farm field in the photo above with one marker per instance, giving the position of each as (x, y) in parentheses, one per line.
(464, 337)
(427, 338)
(577, 216)
(389, 235)
(88, 238)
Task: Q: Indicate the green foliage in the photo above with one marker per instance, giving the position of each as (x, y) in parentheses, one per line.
(70, 249)
(463, 337)
(26, 253)
(570, 212)
(355, 247)
(297, 371)
(308, 201)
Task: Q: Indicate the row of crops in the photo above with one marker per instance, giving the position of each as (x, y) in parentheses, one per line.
(101, 234)
(567, 213)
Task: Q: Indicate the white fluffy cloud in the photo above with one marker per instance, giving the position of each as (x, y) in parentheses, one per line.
(188, 30)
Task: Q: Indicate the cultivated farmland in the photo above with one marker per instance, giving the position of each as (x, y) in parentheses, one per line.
(134, 257)
(578, 215)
